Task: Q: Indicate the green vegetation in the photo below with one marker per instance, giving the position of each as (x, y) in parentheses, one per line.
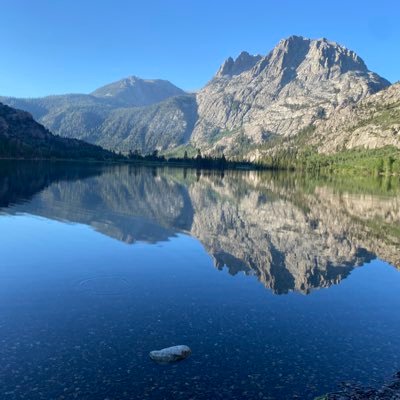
(242, 146)
(296, 154)
(179, 152)
(382, 186)
(220, 135)
(22, 137)
(382, 115)
(383, 161)
(68, 149)
(199, 162)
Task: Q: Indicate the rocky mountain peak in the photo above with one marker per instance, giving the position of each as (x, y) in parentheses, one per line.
(291, 41)
(130, 80)
(319, 57)
(288, 54)
(332, 56)
(243, 62)
(298, 82)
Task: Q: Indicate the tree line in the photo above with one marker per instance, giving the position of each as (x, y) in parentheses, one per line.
(199, 161)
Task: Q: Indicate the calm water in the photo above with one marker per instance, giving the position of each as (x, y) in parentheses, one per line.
(282, 286)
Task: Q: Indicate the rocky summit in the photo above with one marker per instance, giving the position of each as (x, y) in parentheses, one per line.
(133, 91)
(250, 100)
(298, 82)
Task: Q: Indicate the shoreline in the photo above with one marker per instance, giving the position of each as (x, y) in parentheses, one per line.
(390, 390)
(229, 165)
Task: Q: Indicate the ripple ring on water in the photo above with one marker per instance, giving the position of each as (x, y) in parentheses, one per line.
(105, 285)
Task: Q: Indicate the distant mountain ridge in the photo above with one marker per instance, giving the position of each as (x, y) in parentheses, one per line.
(137, 92)
(130, 114)
(250, 100)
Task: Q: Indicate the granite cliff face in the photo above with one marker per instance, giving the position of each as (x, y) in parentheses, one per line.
(251, 99)
(264, 226)
(243, 63)
(299, 82)
(371, 123)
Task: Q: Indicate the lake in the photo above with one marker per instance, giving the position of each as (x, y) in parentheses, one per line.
(284, 286)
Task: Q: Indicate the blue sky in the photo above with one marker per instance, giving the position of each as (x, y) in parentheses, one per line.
(57, 46)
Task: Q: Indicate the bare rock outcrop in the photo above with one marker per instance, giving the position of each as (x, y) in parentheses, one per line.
(372, 123)
(299, 82)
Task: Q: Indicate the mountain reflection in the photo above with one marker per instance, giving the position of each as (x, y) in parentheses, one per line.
(292, 233)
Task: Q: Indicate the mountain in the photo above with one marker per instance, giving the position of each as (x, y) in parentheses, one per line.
(133, 91)
(163, 125)
(22, 136)
(251, 100)
(131, 114)
(299, 82)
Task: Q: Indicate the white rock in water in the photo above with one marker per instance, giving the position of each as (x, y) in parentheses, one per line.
(171, 354)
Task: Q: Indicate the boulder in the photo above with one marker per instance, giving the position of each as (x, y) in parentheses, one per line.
(170, 354)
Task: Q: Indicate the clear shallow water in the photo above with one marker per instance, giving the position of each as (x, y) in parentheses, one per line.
(281, 287)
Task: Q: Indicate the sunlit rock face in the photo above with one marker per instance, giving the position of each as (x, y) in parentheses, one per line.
(372, 123)
(292, 234)
(298, 83)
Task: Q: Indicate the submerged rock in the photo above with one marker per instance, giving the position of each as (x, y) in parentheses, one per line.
(350, 391)
(170, 354)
